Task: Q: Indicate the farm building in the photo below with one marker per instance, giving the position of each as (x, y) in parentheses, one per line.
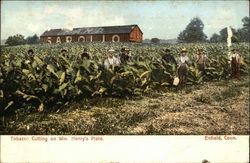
(126, 33)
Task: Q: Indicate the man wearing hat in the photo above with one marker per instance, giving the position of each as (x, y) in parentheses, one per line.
(85, 54)
(124, 56)
(183, 62)
(200, 59)
(64, 53)
(168, 57)
(111, 62)
(235, 61)
(63, 65)
(30, 55)
(29, 59)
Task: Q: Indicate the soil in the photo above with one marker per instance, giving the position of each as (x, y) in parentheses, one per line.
(213, 108)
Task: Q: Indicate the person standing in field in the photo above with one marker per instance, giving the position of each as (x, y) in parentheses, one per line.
(63, 64)
(29, 59)
(200, 59)
(64, 53)
(168, 57)
(125, 55)
(235, 61)
(111, 62)
(85, 55)
(183, 63)
(30, 56)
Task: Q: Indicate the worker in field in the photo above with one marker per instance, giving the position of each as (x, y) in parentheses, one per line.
(64, 53)
(235, 61)
(168, 57)
(111, 62)
(124, 56)
(200, 60)
(30, 55)
(85, 55)
(183, 63)
(28, 59)
(129, 53)
(63, 64)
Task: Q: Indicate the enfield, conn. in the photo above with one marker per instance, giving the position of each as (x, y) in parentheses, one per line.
(219, 137)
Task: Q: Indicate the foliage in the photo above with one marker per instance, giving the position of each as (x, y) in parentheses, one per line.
(215, 38)
(239, 35)
(244, 32)
(52, 79)
(32, 39)
(155, 40)
(223, 35)
(193, 32)
(15, 40)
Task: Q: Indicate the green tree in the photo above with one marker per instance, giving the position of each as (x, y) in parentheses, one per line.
(215, 38)
(246, 23)
(223, 35)
(32, 39)
(17, 39)
(155, 40)
(182, 37)
(193, 32)
(244, 32)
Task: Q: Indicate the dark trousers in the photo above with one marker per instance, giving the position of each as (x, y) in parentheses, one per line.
(182, 72)
(235, 68)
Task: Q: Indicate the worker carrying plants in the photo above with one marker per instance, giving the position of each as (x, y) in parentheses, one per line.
(85, 55)
(235, 61)
(200, 60)
(168, 57)
(111, 62)
(183, 63)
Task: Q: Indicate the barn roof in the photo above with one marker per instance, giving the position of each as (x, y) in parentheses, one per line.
(55, 32)
(91, 30)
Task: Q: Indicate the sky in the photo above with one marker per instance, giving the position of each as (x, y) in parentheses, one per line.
(161, 19)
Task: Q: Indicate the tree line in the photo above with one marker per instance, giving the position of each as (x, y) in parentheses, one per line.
(194, 33)
(19, 39)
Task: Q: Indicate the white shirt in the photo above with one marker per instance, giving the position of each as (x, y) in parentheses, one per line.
(183, 59)
(109, 61)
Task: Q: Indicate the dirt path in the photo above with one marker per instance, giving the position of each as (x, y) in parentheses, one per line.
(211, 108)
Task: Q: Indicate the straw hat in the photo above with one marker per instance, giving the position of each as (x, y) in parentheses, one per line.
(111, 50)
(183, 50)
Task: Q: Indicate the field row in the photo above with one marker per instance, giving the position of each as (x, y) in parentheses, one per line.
(52, 79)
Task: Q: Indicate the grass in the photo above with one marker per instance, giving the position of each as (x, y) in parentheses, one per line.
(211, 108)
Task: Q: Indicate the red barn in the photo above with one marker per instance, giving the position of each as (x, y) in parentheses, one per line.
(126, 33)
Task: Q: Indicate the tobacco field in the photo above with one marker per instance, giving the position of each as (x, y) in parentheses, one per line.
(67, 95)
